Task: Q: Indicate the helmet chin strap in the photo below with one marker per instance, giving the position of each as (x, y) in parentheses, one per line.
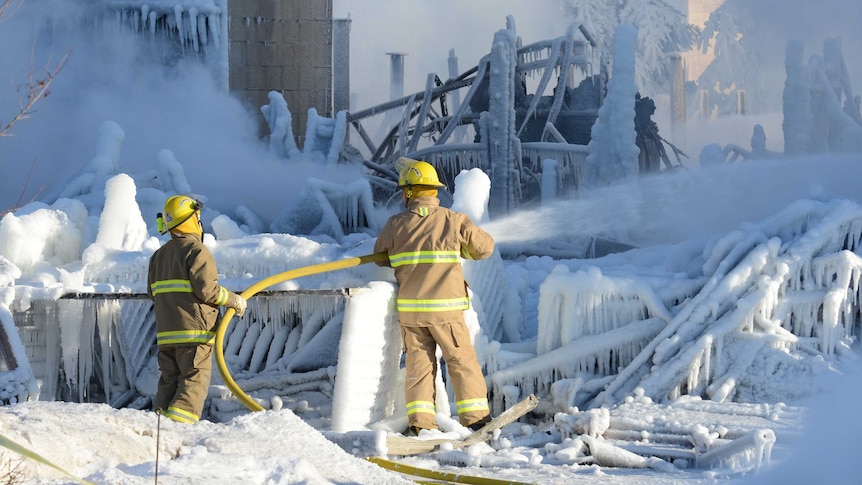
(407, 193)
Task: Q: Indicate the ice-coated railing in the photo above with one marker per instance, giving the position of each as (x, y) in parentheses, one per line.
(101, 347)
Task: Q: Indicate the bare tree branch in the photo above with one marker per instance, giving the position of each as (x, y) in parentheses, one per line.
(29, 93)
(8, 7)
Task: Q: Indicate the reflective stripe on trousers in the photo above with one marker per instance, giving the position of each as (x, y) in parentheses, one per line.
(180, 415)
(472, 405)
(421, 407)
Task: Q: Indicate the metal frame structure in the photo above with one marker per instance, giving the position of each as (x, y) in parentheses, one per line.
(543, 122)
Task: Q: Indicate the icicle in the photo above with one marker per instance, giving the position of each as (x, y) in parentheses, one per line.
(70, 318)
(153, 17)
(86, 352)
(104, 312)
(194, 30)
(214, 26)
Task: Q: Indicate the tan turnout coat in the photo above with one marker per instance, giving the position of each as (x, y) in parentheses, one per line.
(183, 284)
(425, 244)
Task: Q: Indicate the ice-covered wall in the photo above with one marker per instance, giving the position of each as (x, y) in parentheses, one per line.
(100, 347)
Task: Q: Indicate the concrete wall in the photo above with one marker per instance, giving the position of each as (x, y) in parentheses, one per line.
(283, 46)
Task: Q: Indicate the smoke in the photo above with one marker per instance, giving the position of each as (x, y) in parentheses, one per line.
(110, 76)
(778, 21)
(120, 76)
(688, 204)
(427, 31)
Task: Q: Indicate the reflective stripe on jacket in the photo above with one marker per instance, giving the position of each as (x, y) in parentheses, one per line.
(183, 284)
(425, 244)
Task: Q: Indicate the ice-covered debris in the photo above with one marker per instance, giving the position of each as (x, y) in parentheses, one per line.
(607, 454)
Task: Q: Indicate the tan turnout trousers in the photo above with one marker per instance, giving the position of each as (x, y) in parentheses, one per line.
(420, 344)
(185, 380)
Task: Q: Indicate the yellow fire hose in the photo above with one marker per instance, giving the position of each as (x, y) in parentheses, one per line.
(254, 406)
(7, 443)
(439, 475)
(260, 286)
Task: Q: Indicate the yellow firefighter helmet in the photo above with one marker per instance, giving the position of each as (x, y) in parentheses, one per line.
(178, 209)
(416, 172)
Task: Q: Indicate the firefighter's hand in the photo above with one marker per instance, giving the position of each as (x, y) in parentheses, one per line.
(238, 303)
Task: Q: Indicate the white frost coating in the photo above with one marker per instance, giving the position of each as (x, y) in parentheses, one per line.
(105, 311)
(339, 134)
(324, 137)
(194, 32)
(498, 123)
(40, 233)
(696, 351)
(589, 303)
(72, 345)
(593, 422)
(329, 208)
(279, 119)
(471, 195)
(18, 383)
(178, 23)
(225, 228)
(8, 274)
(607, 454)
(371, 336)
(120, 225)
(610, 160)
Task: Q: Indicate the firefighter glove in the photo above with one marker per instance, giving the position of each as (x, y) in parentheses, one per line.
(238, 303)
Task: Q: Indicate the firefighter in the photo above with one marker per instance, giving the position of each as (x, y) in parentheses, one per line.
(425, 243)
(183, 284)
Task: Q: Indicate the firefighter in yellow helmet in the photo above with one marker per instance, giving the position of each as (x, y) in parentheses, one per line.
(425, 244)
(183, 284)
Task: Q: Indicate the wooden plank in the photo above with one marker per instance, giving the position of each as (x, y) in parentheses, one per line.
(406, 445)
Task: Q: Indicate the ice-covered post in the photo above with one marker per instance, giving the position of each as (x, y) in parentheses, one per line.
(454, 96)
(550, 176)
(741, 103)
(796, 101)
(340, 65)
(396, 87)
(396, 74)
(677, 99)
(703, 103)
(504, 149)
(613, 153)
